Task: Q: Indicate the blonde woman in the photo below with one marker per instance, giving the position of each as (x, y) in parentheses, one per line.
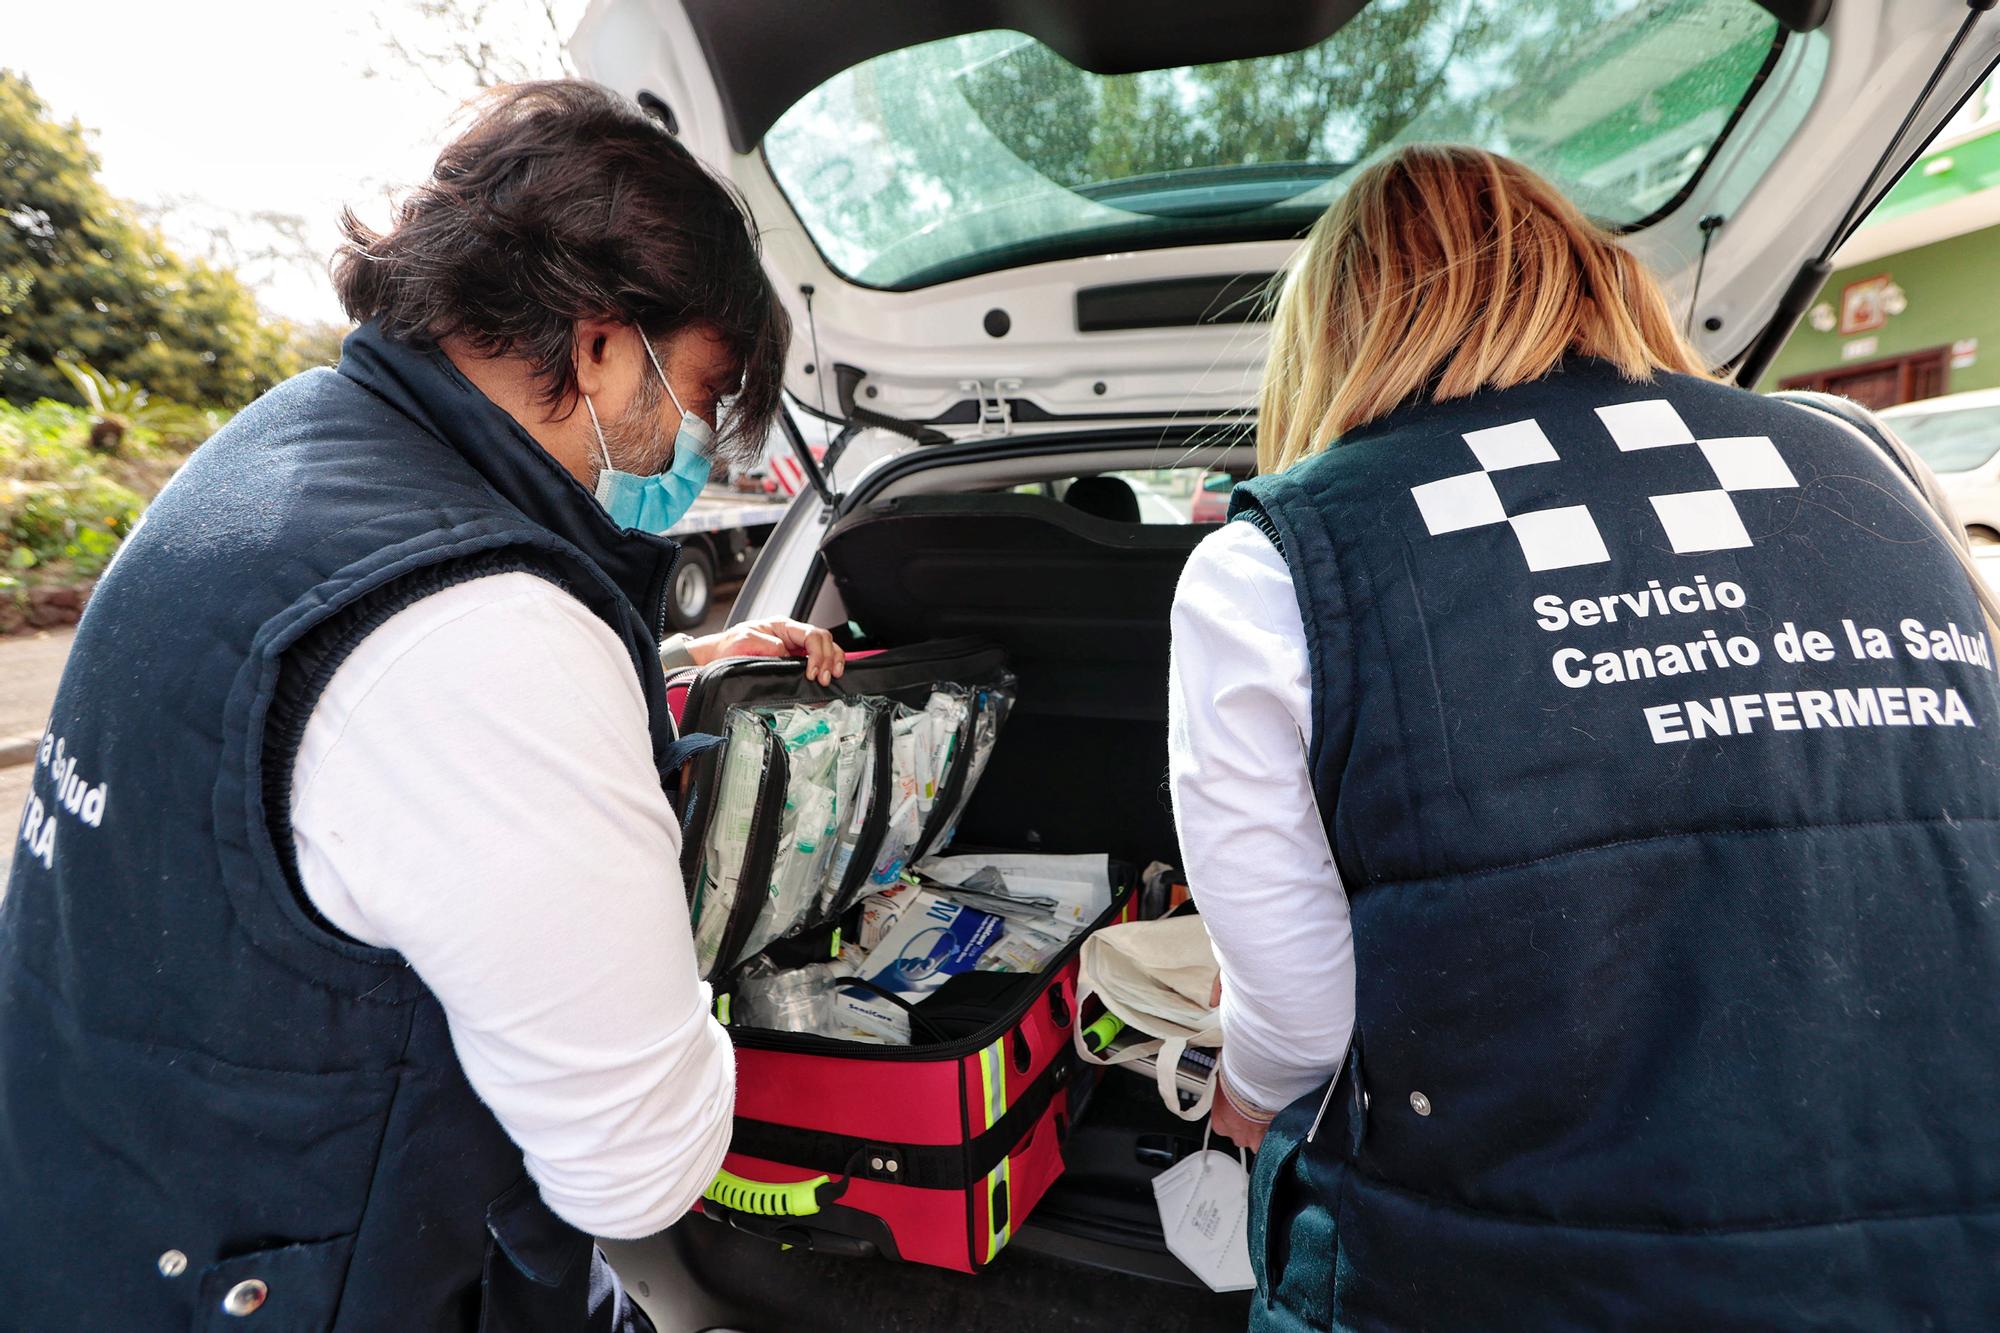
(1586, 769)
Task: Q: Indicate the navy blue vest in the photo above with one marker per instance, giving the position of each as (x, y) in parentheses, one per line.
(1656, 736)
(202, 1087)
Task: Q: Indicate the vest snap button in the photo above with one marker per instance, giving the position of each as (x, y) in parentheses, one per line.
(173, 1263)
(1420, 1103)
(245, 1297)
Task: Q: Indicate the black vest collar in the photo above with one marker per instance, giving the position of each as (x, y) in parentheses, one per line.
(1420, 407)
(425, 386)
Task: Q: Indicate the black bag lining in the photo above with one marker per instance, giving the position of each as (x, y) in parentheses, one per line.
(1081, 606)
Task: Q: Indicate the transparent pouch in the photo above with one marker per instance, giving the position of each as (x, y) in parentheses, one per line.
(821, 745)
(742, 796)
(796, 1000)
(923, 743)
(854, 783)
(991, 705)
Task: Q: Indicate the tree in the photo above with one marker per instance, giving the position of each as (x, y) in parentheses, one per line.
(461, 46)
(86, 279)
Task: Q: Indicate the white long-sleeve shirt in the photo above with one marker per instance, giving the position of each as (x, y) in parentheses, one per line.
(475, 790)
(1252, 842)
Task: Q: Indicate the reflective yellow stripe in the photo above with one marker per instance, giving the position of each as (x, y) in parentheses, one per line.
(993, 1077)
(993, 1083)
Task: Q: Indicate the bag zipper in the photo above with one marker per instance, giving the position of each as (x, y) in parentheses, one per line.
(704, 676)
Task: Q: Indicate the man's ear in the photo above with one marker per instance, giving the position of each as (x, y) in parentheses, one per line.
(593, 342)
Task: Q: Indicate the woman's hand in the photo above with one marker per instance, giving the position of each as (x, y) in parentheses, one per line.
(1231, 1121)
(1225, 1117)
(825, 662)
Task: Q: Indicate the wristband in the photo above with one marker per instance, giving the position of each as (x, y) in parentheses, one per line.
(1248, 1110)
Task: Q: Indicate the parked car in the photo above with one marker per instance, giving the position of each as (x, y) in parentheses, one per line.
(1029, 256)
(1959, 436)
(1211, 499)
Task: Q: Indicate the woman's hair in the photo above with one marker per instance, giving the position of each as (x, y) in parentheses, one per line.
(1444, 270)
(562, 202)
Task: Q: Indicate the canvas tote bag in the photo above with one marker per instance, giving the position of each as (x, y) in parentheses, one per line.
(1157, 977)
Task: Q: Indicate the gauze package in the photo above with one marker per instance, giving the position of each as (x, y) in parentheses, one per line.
(880, 911)
(1023, 948)
(1074, 889)
(728, 836)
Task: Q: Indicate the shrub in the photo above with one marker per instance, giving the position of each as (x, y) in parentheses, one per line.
(65, 506)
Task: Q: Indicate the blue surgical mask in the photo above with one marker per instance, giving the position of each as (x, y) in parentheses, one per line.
(656, 503)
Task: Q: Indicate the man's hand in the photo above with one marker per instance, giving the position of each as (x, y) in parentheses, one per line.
(1225, 1117)
(825, 662)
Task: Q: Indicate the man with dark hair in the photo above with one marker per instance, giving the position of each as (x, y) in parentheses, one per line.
(345, 969)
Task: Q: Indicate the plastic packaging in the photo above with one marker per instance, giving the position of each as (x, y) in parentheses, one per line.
(798, 1000)
(806, 828)
(1023, 948)
(854, 779)
(993, 703)
(922, 746)
(717, 882)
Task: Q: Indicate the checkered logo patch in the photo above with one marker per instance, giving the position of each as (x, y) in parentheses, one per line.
(1694, 521)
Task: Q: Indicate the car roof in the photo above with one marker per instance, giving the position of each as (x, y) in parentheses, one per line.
(1950, 402)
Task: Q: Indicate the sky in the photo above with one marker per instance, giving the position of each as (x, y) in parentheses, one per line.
(225, 108)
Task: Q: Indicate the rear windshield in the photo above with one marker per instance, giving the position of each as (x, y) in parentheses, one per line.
(1154, 495)
(1957, 440)
(990, 150)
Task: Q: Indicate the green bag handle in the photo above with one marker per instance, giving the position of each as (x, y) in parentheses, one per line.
(798, 1198)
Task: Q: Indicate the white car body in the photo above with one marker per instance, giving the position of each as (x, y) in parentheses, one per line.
(1974, 489)
(1791, 179)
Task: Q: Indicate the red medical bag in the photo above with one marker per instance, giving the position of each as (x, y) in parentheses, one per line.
(933, 1153)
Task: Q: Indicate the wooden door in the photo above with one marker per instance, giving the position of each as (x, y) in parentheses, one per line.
(1884, 383)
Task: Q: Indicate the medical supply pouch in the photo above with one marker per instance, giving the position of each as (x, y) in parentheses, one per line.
(930, 1145)
(823, 794)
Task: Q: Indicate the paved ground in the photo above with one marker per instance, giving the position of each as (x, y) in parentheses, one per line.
(29, 668)
(31, 665)
(13, 795)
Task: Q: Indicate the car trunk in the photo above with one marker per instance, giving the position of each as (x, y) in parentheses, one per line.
(1080, 604)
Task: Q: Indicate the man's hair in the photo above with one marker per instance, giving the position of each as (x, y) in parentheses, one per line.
(1444, 270)
(561, 202)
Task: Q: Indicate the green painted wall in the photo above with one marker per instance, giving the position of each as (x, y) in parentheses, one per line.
(1954, 292)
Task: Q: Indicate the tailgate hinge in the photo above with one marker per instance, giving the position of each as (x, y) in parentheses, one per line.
(996, 413)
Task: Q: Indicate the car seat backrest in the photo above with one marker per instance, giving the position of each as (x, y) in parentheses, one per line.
(1081, 603)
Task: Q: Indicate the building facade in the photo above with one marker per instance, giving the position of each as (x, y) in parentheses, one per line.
(1910, 311)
